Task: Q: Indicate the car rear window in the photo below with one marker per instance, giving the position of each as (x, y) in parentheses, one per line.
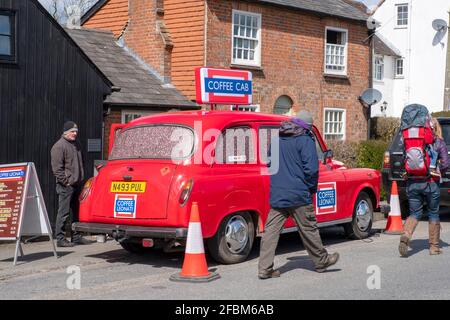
(397, 142)
(154, 142)
(446, 132)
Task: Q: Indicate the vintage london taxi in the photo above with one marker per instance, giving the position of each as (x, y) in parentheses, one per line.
(159, 165)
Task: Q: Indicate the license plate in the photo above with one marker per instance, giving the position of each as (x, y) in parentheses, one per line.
(128, 187)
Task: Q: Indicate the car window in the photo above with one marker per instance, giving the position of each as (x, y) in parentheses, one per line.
(446, 132)
(320, 153)
(397, 142)
(236, 146)
(154, 142)
(265, 136)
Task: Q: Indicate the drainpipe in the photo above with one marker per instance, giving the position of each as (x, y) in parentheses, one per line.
(447, 75)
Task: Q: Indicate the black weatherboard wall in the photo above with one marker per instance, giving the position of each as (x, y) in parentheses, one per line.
(49, 82)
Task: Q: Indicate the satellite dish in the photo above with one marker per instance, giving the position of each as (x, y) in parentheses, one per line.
(371, 96)
(441, 27)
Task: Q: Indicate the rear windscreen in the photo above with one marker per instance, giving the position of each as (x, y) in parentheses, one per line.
(154, 142)
(446, 132)
(397, 142)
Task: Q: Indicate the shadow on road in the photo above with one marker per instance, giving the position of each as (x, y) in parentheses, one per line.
(418, 245)
(36, 256)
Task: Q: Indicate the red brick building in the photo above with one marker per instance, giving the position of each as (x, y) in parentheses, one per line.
(303, 54)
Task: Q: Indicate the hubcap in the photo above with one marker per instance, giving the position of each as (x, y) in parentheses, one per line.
(236, 234)
(363, 215)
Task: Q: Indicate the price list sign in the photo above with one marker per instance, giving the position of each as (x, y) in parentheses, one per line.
(12, 184)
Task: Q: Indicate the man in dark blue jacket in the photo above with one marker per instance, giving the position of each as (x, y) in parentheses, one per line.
(291, 190)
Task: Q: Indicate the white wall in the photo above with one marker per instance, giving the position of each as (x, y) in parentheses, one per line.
(424, 64)
(386, 87)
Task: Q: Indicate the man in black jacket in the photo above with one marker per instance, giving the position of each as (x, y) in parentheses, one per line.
(67, 166)
(291, 191)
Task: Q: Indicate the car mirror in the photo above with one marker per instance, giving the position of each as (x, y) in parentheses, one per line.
(328, 154)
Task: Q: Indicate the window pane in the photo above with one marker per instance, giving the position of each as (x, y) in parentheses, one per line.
(5, 25)
(252, 55)
(5, 45)
(246, 54)
(242, 22)
(236, 30)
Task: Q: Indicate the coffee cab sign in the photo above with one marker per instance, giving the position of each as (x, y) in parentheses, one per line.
(222, 86)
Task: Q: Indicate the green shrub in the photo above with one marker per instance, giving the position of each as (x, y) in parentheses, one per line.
(370, 154)
(384, 128)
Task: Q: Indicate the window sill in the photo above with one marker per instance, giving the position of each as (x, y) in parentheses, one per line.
(8, 61)
(400, 27)
(336, 76)
(399, 77)
(244, 66)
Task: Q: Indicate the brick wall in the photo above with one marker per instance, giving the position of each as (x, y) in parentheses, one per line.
(113, 16)
(147, 36)
(292, 61)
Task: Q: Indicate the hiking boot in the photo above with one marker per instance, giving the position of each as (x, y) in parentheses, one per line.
(434, 232)
(64, 244)
(81, 241)
(270, 274)
(408, 230)
(331, 260)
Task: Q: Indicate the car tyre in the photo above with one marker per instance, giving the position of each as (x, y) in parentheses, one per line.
(233, 240)
(362, 220)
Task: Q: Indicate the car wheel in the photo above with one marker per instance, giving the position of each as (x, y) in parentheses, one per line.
(361, 224)
(134, 247)
(233, 240)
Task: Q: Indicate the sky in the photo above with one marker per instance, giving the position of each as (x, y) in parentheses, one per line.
(370, 3)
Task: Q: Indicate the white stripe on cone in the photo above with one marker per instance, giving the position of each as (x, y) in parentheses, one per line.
(195, 238)
(395, 206)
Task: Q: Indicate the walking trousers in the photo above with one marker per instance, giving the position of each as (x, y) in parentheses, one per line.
(306, 222)
(67, 202)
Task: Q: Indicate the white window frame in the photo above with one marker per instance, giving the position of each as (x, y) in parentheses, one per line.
(257, 60)
(375, 68)
(344, 123)
(253, 107)
(337, 72)
(142, 113)
(399, 75)
(397, 7)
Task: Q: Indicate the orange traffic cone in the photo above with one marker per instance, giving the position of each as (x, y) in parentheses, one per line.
(394, 224)
(195, 268)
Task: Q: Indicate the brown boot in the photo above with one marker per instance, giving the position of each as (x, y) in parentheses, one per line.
(434, 231)
(408, 230)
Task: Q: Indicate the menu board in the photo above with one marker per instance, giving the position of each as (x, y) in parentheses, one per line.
(12, 191)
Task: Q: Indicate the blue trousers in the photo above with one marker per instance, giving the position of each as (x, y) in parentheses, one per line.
(420, 192)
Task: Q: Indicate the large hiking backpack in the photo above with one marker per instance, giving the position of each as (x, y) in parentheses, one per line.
(417, 134)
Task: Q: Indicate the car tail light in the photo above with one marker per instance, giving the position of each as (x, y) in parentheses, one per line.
(86, 188)
(186, 192)
(387, 160)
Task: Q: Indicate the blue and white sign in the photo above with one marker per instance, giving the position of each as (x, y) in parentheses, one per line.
(125, 206)
(326, 198)
(11, 174)
(222, 86)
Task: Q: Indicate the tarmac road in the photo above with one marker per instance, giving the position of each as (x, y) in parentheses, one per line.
(109, 272)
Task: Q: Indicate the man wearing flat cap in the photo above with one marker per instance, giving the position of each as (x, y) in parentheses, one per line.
(67, 166)
(291, 190)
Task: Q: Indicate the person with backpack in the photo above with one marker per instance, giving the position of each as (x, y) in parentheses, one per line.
(421, 188)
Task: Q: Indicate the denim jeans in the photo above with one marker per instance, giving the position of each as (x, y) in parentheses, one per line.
(420, 192)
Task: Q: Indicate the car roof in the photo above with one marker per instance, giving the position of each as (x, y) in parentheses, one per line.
(216, 119)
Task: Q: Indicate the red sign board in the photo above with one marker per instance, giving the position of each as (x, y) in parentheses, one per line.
(222, 86)
(12, 188)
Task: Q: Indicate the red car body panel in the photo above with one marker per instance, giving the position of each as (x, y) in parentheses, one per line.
(219, 189)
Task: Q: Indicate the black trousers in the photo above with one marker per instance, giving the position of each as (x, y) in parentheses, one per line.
(67, 204)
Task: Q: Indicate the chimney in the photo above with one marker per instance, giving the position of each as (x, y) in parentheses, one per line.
(148, 37)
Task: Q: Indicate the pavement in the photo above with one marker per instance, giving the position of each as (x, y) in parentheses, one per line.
(368, 269)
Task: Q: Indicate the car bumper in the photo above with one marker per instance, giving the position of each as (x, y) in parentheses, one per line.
(130, 231)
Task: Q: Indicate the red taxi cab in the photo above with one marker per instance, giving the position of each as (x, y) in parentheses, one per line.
(160, 164)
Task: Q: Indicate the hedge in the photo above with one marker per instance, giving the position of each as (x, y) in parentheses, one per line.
(363, 154)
